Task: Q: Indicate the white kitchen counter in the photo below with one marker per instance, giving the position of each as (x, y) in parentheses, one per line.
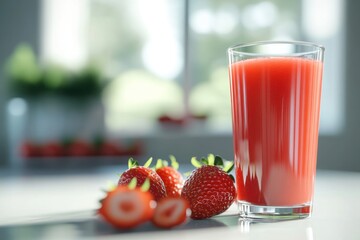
(62, 207)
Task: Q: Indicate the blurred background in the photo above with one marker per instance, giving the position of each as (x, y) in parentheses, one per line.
(88, 83)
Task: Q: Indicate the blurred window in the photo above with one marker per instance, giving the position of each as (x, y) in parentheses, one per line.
(169, 57)
(216, 25)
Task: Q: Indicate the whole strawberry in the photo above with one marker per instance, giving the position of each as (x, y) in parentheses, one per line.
(171, 177)
(141, 173)
(209, 189)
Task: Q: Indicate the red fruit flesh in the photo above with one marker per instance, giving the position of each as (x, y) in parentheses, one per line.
(127, 208)
(209, 190)
(171, 212)
(172, 179)
(157, 187)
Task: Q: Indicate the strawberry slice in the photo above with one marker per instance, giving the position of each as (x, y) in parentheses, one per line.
(171, 212)
(126, 207)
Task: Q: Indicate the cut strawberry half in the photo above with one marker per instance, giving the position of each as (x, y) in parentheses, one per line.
(170, 212)
(127, 208)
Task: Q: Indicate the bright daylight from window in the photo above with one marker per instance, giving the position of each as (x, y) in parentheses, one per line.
(152, 70)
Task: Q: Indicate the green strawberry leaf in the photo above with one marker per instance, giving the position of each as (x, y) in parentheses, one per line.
(229, 165)
(174, 163)
(218, 161)
(232, 177)
(132, 163)
(204, 161)
(211, 159)
(148, 162)
(132, 184)
(196, 162)
(146, 185)
(159, 164)
(165, 163)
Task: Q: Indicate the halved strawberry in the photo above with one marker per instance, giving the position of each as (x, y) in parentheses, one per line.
(157, 187)
(126, 207)
(209, 189)
(171, 212)
(171, 177)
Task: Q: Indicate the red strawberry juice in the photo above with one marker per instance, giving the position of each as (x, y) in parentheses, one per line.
(276, 105)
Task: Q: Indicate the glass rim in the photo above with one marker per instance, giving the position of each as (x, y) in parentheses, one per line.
(233, 49)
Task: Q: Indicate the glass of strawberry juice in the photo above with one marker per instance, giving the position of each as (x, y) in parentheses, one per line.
(275, 100)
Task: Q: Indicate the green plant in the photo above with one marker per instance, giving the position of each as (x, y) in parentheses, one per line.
(30, 79)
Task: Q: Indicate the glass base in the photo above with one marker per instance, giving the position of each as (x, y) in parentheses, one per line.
(274, 213)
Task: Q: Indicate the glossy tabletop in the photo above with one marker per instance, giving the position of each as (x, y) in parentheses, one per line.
(63, 206)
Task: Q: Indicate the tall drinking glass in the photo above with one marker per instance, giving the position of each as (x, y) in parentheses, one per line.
(275, 98)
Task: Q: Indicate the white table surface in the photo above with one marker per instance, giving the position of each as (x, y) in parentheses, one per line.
(62, 207)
